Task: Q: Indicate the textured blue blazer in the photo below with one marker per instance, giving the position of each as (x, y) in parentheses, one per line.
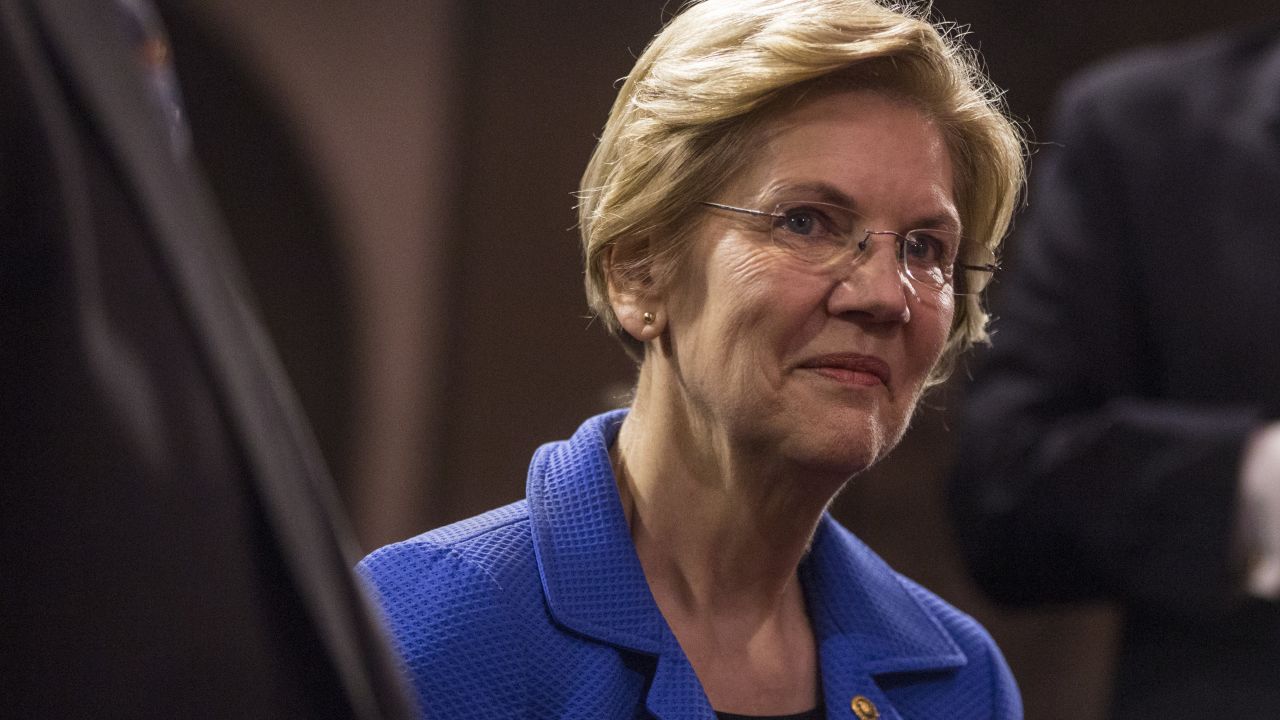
(540, 609)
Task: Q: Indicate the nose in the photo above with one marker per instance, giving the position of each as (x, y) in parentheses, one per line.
(874, 285)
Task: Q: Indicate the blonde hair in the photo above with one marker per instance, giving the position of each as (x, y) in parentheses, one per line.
(683, 122)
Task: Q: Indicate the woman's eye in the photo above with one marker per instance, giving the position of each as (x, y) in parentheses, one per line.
(923, 247)
(807, 222)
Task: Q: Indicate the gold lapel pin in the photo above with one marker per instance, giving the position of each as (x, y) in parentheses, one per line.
(864, 708)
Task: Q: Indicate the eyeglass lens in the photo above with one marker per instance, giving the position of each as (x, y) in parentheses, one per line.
(821, 233)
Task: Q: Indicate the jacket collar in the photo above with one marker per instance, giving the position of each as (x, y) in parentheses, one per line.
(866, 620)
(590, 571)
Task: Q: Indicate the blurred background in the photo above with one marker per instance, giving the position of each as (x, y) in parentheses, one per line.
(399, 175)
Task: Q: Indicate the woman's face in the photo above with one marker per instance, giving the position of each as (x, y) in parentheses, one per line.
(816, 365)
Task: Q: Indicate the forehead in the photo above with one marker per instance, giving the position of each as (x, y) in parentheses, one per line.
(883, 154)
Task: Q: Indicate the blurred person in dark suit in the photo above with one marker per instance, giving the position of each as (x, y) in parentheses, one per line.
(1120, 439)
(170, 544)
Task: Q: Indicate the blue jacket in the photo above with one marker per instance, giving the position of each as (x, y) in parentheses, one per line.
(540, 609)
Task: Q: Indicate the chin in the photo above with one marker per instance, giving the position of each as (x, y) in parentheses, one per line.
(847, 452)
(846, 434)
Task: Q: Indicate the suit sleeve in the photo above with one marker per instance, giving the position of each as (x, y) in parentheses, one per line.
(1078, 478)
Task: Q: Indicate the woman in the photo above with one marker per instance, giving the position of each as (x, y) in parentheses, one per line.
(777, 219)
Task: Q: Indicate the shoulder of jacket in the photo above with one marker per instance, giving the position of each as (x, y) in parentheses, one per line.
(475, 548)
(951, 617)
(458, 597)
(974, 640)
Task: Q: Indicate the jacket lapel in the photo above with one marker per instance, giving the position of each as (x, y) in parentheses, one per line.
(90, 43)
(867, 622)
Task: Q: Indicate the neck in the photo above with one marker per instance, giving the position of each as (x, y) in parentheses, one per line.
(719, 529)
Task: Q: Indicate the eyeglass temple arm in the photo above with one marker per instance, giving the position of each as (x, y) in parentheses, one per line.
(760, 213)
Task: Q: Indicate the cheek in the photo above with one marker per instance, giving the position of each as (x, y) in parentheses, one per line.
(742, 287)
(752, 313)
(931, 328)
(743, 269)
(776, 306)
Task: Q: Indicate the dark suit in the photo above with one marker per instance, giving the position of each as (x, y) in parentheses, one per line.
(1137, 346)
(170, 546)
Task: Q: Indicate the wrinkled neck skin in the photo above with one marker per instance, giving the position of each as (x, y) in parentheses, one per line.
(720, 527)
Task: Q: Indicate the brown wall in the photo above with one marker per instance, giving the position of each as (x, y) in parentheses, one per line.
(447, 138)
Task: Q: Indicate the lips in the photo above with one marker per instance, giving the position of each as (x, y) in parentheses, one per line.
(850, 368)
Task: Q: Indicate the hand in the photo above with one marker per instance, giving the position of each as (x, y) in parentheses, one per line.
(1259, 513)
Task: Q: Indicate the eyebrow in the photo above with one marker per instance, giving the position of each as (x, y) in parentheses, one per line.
(828, 193)
(825, 192)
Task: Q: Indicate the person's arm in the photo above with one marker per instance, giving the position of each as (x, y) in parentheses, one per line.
(1079, 477)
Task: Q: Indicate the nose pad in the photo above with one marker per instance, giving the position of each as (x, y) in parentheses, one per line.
(896, 255)
(876, 283)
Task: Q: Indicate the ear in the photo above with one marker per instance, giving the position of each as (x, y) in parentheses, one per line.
(635, 302)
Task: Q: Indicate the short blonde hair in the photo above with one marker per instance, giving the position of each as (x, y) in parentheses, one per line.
(683, 122)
